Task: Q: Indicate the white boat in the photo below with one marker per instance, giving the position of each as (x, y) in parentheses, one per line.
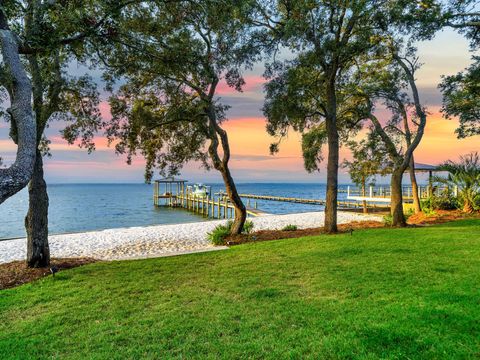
(198, 190)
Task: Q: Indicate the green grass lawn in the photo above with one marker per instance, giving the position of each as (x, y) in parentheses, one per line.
(381, 293)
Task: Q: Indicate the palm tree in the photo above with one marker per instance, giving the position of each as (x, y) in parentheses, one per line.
(465, 175)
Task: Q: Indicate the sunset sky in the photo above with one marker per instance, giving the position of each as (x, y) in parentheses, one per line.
(251, 161)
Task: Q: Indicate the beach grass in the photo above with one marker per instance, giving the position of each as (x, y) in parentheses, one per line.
(379, 293)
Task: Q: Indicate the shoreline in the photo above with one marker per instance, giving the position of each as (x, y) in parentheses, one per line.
(158, 240)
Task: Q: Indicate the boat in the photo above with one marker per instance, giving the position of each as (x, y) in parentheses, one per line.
(198, 190)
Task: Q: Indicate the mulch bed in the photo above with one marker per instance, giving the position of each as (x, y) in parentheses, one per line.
(421, 219)
(440, 217)
(17, 273)
(266, 235)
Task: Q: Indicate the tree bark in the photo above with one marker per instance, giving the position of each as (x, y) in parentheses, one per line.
(215, 132)
(408, 138)
(240, 209)
(36, 221)
(23, 124)
(330, 223)
(413, 179)
(332, 180)
(396, 207)
(364, 193)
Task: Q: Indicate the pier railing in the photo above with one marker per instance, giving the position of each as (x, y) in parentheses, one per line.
(383, 193)
(207, 206)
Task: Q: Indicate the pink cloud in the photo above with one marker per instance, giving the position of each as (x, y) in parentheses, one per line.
(104, 108)
(252, 84)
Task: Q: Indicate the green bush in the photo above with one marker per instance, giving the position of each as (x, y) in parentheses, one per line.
(290, 227)
(408, 212)
(444, 201)
(218, 235)
(247, 227)
(388, 220)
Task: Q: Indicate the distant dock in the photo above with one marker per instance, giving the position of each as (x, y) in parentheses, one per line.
(178, 195)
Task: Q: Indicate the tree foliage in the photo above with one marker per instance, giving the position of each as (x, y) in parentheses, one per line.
(461, 98)
(174, 58)
(327, 38)
(369, 159)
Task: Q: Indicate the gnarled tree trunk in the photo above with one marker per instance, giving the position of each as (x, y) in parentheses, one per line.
(36, 221)
(215, 132)
(413, 180)
(396, 207)
(17, 176)
(240, 210)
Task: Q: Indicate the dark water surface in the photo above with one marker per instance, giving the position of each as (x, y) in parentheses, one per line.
(85, 207)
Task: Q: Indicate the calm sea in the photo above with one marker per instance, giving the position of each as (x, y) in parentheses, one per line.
(85, 207)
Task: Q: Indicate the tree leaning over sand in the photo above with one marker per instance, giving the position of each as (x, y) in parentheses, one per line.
(174, 59)
(332, 35)
(19, 89)
(52, 36)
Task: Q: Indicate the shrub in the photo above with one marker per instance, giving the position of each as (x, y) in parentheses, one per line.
(290, 227)
(247, 227)
(409, 212)
(219, 233)
(465, 175)
(444, 201)
(388, 220)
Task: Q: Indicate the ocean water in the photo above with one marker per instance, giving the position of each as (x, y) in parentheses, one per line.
(87, 207)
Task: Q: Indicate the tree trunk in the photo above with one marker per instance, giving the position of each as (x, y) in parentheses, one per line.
(468, 207)
(23, 124)
(240, 209)
(396, 206)
(364, 193)
(413, 179)
(332, 179)
(333, 156)
(221, 165)
(36, 221)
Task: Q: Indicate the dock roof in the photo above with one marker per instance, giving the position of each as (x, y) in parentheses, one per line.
(171, 180)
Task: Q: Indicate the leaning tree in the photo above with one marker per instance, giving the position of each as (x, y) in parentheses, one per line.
(173, 59)
(17, 85)
(51, 36)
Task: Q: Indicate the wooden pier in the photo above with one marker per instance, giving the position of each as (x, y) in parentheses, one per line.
(177, 195)
(341, 203)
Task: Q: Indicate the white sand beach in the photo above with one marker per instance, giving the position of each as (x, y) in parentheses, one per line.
(158, 240)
